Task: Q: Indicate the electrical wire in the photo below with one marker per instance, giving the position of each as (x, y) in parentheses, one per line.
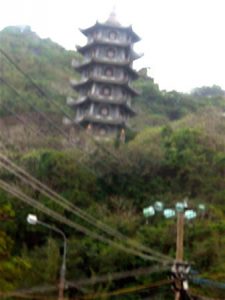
(35, 204)
(208, 282)
(34, 183)
(116, 276)
(28, 77)
(196, 295)
(21, 295)
(44, 94)
(43, 115)
(113, 231)
(52, 123)
(125, 291)
(88, 281)
(38, 88)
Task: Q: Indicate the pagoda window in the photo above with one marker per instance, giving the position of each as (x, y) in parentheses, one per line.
(127, 54)
(90, 71)
(104, 111)
(111, 52)
(106, 91)
(112, 35)
(125, 76)
(93, 52)
(124, 93)
(108, 72)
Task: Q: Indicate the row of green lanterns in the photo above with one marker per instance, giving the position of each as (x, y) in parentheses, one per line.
(169, 212)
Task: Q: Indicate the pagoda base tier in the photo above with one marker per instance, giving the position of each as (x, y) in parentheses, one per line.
(102, 121)
(102, 129)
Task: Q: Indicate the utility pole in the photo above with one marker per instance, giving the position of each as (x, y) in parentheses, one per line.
(180, 244)
(180, 237)
(180, 269)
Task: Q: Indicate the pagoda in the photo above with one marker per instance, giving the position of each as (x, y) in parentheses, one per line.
(103, 106)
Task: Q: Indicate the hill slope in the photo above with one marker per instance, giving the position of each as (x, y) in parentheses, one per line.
(49, 65)
(181, 154)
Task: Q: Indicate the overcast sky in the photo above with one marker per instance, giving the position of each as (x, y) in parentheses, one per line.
(183, 41)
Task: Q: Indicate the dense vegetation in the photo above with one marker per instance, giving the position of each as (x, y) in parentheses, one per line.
(176, 149)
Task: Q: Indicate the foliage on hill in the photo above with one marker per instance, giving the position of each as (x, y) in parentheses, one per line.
(47, 63)
(179, 151)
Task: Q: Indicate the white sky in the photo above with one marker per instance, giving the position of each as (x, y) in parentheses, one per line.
(183, 40)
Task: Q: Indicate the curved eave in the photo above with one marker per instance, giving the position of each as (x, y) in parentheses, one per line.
(134, 74)
(88, 99)
(132, 90)
(101, 61)
(135, 37)
(136, 55)
(83, 49)
(77, 85)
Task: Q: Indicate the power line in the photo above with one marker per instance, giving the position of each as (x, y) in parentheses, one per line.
(21, 71)
(21, 295)
(44, 94)
(101, 146)
(18, 117)
(34, 183)
(208, 282)
(35, 204)
(89, 281)
(195, 294)
(29, 78)
(94, 220)
(125, 291)
(116, 276)
(45, 117)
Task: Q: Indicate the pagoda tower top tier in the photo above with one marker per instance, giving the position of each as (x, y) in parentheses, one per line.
(111, 22)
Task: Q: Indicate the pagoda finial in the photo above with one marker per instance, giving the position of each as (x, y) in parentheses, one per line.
(112, 19)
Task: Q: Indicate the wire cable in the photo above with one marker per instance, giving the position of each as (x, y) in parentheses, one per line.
(44, 94)
(208, 282)
(28, 179)
(101, 146)
(125, 291)
(195, 294)
(35, 204)
(89, 281)
(43, 115)
(52, 123)
(109, 230)
(116, 276)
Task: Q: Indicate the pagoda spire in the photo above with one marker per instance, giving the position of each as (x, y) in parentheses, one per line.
(112, 19)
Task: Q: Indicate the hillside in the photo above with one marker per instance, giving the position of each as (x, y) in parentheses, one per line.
(49, 65)
(175, 149)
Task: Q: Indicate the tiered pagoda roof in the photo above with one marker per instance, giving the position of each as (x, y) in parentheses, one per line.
(105, 90)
